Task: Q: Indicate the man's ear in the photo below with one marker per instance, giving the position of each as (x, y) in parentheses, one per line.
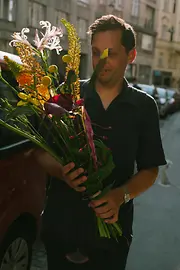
(131, 56)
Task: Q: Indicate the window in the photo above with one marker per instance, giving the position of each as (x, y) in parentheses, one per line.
(144, 73)
(8, 10)
(83, 2)
(4, 45)
(36, 14)
(58, 15)
(174, 6)
(166, 5)
(149, 21)
(82, 28)
(118, 4)
(164, 31)
(135, 8)
(160, 60)
(147, 43)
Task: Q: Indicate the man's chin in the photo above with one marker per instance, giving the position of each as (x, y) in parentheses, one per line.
(104, 79)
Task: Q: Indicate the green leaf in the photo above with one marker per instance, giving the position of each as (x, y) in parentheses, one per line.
(19, 111)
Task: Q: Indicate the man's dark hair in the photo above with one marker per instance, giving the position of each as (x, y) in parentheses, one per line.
(111, 22)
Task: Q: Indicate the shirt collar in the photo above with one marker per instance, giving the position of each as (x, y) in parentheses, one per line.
(126, 95)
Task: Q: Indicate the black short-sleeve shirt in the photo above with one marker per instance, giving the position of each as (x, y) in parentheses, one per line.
(130, 128)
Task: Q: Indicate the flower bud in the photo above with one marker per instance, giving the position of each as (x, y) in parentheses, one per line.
(46, 80)
(53, 69)
(23, 96)
(66, 58)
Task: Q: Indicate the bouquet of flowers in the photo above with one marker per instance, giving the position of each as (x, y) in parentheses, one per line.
(58, 108)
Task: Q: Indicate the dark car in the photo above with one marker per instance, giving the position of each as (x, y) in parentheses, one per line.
(22, 194)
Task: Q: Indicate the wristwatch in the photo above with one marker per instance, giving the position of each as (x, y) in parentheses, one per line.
(127, 197)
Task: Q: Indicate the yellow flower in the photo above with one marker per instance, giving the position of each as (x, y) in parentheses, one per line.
(46, 80)
(34, 101)
(42, 93)
(104, 54)
(23, 96)
(53, 69)
(66, 58)
(21, 103)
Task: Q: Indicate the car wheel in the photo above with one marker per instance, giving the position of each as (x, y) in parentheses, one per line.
(16, 249)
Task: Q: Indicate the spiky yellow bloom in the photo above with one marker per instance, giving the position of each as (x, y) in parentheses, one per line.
(30, 64)
(53, 69)
(74, 52)
(46, 80)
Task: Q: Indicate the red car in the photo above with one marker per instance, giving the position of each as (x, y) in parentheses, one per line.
(22, 195)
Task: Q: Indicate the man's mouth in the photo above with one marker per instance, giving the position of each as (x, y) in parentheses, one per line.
(104, 71)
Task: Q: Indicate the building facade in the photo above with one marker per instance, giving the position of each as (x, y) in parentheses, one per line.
(17, 14)
(167, 52)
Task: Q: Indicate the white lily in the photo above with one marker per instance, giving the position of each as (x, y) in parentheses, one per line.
(20, 37)
(50, 40)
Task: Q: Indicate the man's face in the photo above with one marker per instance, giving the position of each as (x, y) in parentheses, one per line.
(118, 59)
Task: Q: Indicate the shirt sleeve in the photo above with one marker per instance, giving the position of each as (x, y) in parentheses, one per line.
(150, 151)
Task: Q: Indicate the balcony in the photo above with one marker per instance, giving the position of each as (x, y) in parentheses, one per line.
(143, 25)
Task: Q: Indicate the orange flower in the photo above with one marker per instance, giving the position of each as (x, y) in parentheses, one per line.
(43, 93)
(24, 79)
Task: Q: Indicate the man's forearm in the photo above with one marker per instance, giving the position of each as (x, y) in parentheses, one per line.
(139, 183)
(47, 162)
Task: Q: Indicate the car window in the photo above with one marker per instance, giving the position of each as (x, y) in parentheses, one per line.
(161, 92)
(147, 88)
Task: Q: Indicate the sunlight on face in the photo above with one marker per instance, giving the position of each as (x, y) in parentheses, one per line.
(117, 61)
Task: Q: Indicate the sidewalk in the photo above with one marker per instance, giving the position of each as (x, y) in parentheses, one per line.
(156, 244)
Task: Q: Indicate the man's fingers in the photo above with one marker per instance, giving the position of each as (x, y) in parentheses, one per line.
(67, 168)
(78, 182)
(109, 214)
(96, 203)
(80, 189)
(112, 219)
(72, 176)
(102, 209)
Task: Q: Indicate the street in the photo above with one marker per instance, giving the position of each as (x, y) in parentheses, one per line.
(156, 243)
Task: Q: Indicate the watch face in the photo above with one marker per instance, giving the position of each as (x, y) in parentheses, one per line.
(126, 198)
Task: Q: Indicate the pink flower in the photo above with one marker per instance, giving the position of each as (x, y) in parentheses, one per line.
(50, 40)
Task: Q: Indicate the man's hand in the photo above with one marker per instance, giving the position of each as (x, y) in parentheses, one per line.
(108, 206)
(72, 178)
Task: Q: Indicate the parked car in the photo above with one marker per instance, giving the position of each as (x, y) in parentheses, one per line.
(174, 98)
(165, 98)
(22, 194)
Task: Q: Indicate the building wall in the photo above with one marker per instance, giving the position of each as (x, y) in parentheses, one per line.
(166, 64)
(142, 16)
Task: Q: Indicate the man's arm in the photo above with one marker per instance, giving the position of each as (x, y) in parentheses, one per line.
(63, 173)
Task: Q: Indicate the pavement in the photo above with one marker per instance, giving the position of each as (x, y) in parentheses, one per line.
(156, 242)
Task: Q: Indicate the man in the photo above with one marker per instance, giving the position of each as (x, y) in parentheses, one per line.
(133, 136)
